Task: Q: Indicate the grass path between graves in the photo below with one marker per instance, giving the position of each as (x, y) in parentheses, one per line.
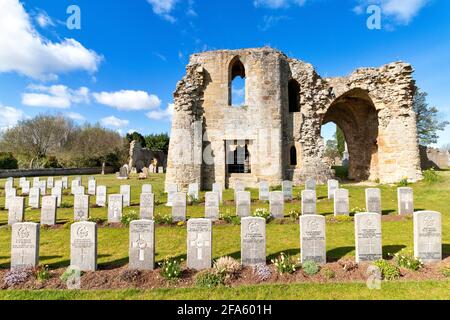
(425, 290)
(282, 236)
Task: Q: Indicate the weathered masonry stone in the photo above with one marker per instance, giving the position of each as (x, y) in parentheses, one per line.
(278, 130)
(25, 245)
(428, 236)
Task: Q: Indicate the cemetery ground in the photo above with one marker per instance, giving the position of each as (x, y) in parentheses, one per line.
(341, 278)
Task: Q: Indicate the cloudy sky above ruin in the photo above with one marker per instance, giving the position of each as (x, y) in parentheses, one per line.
(121, 68)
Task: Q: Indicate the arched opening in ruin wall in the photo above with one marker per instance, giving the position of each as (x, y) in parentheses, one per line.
(355, 113)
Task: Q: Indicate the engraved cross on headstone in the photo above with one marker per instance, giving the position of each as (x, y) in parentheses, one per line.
(141, 244)
(200, 242)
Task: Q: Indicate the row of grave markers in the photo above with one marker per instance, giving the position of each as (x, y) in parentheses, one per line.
(116, 202)
(368, 241)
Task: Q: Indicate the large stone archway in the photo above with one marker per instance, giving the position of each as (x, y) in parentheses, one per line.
(355, 113)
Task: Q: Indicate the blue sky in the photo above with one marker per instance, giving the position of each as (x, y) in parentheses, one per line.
(122, 66)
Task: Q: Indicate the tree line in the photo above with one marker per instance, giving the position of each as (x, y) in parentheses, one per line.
(54, 141)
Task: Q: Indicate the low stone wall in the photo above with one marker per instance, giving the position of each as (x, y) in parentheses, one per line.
(52, 172)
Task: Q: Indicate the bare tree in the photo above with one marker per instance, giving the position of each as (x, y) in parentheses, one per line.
(36, 138)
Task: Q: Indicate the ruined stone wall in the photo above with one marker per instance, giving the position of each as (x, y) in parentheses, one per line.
(373, 106)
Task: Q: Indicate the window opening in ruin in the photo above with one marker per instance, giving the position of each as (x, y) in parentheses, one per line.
(239, 159)
(294, 96)
(237, 84)
(293, 156)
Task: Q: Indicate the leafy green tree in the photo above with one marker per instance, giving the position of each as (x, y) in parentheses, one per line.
(340, 138)
(7, 161)
(158, 142)
(428, 122)
(136, 136)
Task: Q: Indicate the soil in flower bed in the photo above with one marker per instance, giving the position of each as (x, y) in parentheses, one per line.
(344, 270)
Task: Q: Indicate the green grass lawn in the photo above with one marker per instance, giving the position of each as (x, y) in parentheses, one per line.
(171, 241)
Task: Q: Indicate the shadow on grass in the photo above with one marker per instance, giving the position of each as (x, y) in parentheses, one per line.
(445, 250)
(289, 252)
(338, 253)
(387, 212)
(388, 251)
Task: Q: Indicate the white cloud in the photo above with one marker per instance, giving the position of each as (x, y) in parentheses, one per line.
(277, 4)
(10, 117)
(56, 96)
(25, 51)
(163, 8)
(402, 11)
(128, 100)
(75, 116)
(162, 114)
(44, 20)
(114, 122)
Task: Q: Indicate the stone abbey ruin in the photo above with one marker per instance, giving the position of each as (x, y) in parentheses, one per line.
(276, 134)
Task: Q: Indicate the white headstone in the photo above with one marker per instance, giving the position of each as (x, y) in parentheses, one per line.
(25, 187)
(34, 200)
(83, 246)
(16, 212)
(405, 200)
(312, 238)
(43, 187)
(309, 202)
(142, 245)
(125, 190)
(253, 241)
(217, 187)
(310, 184)
(287, 190)
(48, 210)
(373, 200)
(333, 185)
(193, 191)
(74, 185)
(58, 193)
(50, 182)
(81, 208)
(147, 205)
(341, 202)
(36, 182)
(101, 196)
(276, 200)
(243, 203)
(78, 190)
(9, 195)
(65, 181)
(179, 207)
(92, 187)
(212, 203)
(264, 191)
(368, 237)
(199, 244)
(25, 245)
(428, 236)
(115, 206)
(171, 189)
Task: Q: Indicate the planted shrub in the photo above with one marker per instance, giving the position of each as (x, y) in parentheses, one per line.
(310, 268)
(328, 273)
(294, 215)
(43, 273)
(262, 213)
(208, 279)
(66, 205)
(97, 220)
(406, 259)
(227, 266)
(403, 183)
(285, 264)
(128, 217)
(171, 268)
(388, 270)
(165, 219)
(446, 272)
(17, 276)
(7, 161)
(234, 220)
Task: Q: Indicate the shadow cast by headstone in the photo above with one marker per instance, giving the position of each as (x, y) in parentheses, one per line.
(445, 250)
(338, 253)
(110, 265)
(389, 251)
(56, 265)
(387, 212)
(288, 252)
(159, 258)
